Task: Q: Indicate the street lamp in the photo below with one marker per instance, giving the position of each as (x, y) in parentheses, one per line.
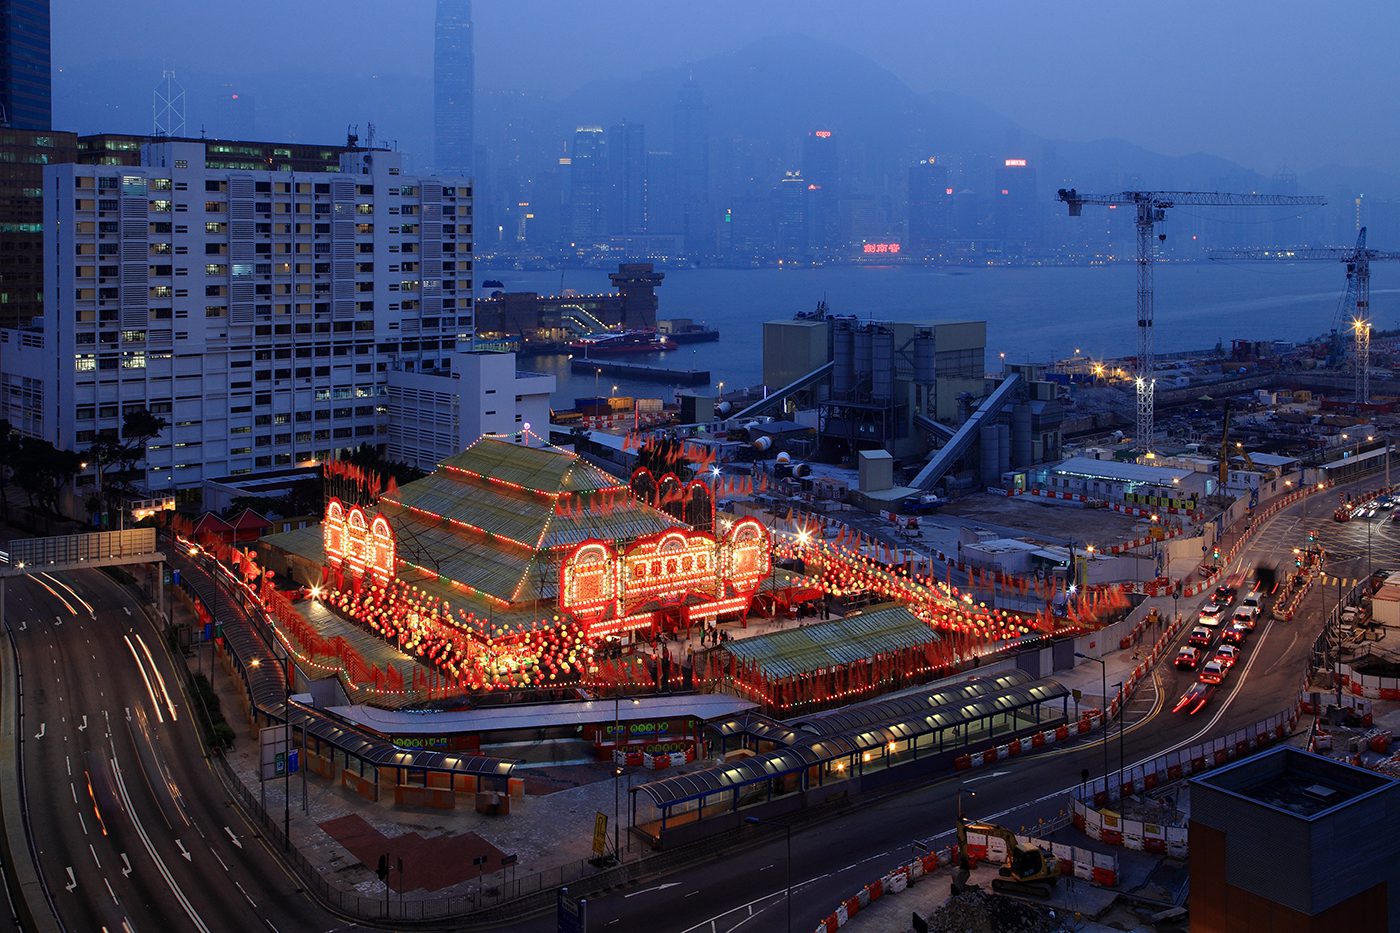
(1103, 678)
(788, 829)
(617, 771)
(1119, 685)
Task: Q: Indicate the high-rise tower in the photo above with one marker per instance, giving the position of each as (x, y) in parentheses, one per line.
(453, 87)
(691, 145)
(26, 82)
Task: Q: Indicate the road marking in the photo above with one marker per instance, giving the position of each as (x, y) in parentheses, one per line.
(128, 713)
(110, 891)
(245, 894)
(221, 861)
(270, 926)
(68, 763)
(94, 855)
(83, 727)
(765, 867)
(40, 733)
(72, 882)
(126, 609)
(692, 893)
(155, 857)
(23, 626)
(126, 869)
(987, 777)
(659, 887)
(183, 850)
(232, 838)
(73, 790)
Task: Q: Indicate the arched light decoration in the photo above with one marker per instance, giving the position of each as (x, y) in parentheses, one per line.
(354, 540)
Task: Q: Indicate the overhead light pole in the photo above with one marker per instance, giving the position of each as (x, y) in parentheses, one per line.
(1103, 718)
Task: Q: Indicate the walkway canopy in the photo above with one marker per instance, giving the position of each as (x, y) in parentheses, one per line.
(853, 742)
(827, 645)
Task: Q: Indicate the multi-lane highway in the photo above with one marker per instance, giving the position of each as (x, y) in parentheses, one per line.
(132, 826)
(833, 859)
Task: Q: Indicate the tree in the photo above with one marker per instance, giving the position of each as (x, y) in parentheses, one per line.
(9, 451)
(43, 470)
(115, 458)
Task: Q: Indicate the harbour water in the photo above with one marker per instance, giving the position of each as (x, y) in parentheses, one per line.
(1034, 313)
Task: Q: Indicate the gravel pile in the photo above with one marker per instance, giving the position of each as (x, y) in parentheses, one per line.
(980, 912)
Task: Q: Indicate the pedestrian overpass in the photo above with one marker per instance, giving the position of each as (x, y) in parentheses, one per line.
(92, 551)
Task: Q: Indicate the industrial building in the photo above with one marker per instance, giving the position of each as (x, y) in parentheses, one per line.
(917, 390)
(1294, 842)
(1130, 484)
(526, 317)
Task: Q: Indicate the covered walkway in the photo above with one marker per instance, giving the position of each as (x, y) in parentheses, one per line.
(790, 766)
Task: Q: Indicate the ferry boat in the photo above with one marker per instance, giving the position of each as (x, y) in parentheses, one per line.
(616, 343)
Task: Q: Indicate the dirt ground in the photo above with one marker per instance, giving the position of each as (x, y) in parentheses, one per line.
(1039, 518)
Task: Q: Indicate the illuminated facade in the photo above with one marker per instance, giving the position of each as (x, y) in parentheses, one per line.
(684, 576)
(358, 543)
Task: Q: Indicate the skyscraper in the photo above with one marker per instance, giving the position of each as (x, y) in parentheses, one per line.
(930, 207)
(627, 179)
(26, 83)
(453, 87)
(1015, 215)
(692, 152)
(588, 183)
(821, 168)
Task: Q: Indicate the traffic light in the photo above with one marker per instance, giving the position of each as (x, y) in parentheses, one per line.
(1312, 536)
(1215, 553)
(1297, 560)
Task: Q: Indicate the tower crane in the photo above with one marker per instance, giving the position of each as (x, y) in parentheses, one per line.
(1151, 209)
(1354, 311)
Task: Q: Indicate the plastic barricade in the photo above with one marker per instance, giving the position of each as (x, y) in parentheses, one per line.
(962, 762)
(852, 904)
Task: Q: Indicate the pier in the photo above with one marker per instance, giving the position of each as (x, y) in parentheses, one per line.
(641, 372)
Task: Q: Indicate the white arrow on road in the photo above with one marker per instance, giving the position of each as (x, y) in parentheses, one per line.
(183, 850)
(57, 620)
(128, 713)
(72, 882)
(659, 887)
(83, 727)
(23, 626)
(126, 609)
(126, 870)
(986, 777)
(40, 733)
(232, 837)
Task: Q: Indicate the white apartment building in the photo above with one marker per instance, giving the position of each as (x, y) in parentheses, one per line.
(260, 313)
(433, 416)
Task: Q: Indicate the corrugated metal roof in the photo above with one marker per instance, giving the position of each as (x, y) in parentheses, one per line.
(1118, 471)
(832, 644)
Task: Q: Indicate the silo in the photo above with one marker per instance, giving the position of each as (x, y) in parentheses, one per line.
(987, 447)
(882, 365)
(1003, 450)
(1021, 435)
(843, 350)
(862, 356)
(924, 355)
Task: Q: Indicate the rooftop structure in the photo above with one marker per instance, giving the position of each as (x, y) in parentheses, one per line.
(1289, 840)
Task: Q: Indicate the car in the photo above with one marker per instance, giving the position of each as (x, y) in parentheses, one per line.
(1385, 503)
(1235, 634)
(1254, 601)
(1212, 672)
(1223, 595)
(1342, 514)
(1247, 620)
(1194, 699)
(1211, 615)
(1201, 636)
(1395, 516)
(1188, 657)
(1246, 614)
(1226, 656)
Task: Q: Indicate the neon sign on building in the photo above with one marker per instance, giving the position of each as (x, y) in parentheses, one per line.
(879, 248)
(353, 540)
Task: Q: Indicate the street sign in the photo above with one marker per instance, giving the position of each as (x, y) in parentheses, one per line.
(571, 915)
(600, 833)
(293, 761)
(274, 742)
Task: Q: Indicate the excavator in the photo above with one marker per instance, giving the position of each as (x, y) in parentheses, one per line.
(1027, 870)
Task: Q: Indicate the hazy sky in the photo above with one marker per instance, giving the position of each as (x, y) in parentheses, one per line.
(1268, 83)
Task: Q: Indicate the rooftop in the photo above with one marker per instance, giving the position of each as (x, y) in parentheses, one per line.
(1122, 472)
(1294, 782)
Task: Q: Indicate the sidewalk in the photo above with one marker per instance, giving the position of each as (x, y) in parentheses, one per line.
(549, 831)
